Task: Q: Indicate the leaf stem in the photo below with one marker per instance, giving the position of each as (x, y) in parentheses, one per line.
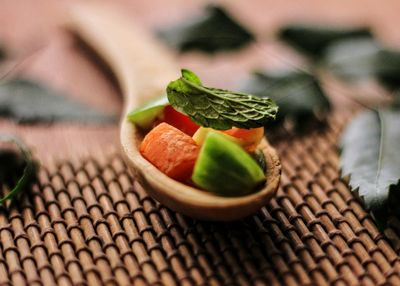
(29, 169)
(381, 150)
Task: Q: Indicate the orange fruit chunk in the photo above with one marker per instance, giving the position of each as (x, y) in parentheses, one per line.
(171, 151)
(249, 138)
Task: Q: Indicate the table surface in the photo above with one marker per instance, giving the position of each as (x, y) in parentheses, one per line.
(87, 221)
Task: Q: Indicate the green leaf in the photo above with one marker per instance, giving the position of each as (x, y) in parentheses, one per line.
(313, 39)
(217, 108)
(2, 54)
(357, 59)
(30, 102)
(352, 59)
(388, 67)
(298, 94)
(396, 102)
(191, 76)
(212, 31)
(370, 155)
(13, 165)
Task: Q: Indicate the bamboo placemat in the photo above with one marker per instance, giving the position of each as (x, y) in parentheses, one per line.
(88, 222)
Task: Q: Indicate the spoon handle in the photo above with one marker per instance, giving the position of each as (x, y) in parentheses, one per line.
(142, 67)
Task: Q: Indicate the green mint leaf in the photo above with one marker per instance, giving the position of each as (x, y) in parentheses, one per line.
(371, 158)
(217, 108)
(27, 101)
(191, 76)
(212, 31)
(298, 94)
(12, 161)
(312, 40)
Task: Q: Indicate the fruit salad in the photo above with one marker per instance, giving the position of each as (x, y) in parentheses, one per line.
(206, 137)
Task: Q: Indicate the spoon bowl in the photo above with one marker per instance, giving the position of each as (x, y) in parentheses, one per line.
(143, 70)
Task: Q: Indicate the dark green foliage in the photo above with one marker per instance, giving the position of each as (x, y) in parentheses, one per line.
(2, 54)
(388, 68)
(30, 102)
(371, 158)
(353, 58)
(17, 169)
(314, 39)
(212, 31)
(298, 94)
(356, 59)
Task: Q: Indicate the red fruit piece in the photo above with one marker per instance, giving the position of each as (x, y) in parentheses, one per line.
(179, 120)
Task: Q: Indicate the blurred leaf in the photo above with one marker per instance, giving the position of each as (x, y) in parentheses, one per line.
(30, 102)
(352, 59)
(2, 54)
(388, 68)
(396, 102)
(14, 165)
(312, 40)
(364, 58)
(370, 156)
(10, 163)
(298, 95)
(212, 31)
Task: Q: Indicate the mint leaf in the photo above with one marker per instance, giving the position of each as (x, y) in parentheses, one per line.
(313, 39)
(388, 68)
(27, 101)
(363, 58)
(212, 31)
(352, 59)
(217, 108)
(191, 76)
(298, 94)
(370, 156)
(13, 166)
(2, 54)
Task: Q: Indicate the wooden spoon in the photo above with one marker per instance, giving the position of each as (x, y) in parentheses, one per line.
(143, 70)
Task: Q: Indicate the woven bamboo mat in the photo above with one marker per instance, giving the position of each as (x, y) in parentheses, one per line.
(88, 222)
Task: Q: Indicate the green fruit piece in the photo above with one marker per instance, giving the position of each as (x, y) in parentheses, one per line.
(144, 116)
(201, 134)
(224, 168)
